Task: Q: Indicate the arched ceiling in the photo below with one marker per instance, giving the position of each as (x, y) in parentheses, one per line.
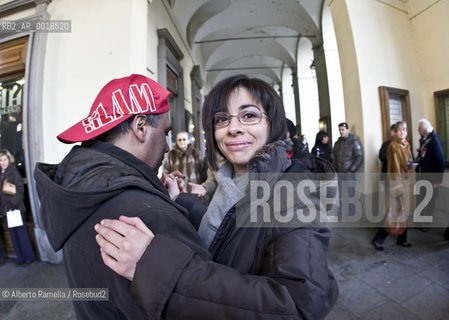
(255, 37)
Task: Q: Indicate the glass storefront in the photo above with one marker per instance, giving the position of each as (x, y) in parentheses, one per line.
(11, 132)
(11, 127)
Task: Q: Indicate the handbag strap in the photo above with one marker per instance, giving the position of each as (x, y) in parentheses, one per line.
(424, 145)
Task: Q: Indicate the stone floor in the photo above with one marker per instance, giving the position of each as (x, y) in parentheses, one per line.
(37, 275)
(398, 283)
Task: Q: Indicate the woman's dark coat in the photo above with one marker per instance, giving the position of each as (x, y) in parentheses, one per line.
(320, 149)
(277, 272)
(11, 202)
(431, 162)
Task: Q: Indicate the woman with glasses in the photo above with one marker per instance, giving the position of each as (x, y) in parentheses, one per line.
(185, 158)
(261, 269)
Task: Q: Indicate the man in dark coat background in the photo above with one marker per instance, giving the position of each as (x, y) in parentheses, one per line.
(431, 163)
(347, 158)
(383, 152)
(347, 155)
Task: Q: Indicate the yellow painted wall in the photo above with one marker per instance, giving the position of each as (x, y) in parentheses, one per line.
(387, 56)
(113, 38)
(430, 29)
(308, 93)
(349, 67)
(377, 47)
(334, 76)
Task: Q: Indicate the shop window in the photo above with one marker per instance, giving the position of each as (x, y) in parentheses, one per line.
(12, 71)
(11, 93)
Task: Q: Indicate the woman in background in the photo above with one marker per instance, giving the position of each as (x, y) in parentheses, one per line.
(19, 236)
(321, 148)
(185, 158)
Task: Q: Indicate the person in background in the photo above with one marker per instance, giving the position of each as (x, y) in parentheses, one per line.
(400, 182)
(19, 236)
(431, 164)
(347, 155)
(321, 148)
(184, 158)
(347, 158)
(304, 144)
(2, 255)
(383, 151)
(300, 148)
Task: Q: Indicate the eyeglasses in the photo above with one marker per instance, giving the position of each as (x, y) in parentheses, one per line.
(249, 116)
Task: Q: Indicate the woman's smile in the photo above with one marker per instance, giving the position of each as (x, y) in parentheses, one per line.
(238, 142)
(238, 145)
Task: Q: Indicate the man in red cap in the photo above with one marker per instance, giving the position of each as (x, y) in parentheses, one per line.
(112, 173)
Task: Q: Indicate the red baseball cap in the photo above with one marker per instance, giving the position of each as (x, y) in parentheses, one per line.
(117, 101)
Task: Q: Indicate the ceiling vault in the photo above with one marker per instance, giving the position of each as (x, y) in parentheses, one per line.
(256, 37)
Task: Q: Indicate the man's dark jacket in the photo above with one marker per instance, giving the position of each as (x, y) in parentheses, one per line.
(103, 181)
(431, 162)
(383, 155)
(347, 155)
(322, 151)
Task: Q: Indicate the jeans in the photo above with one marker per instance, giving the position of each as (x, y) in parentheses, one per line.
(347, 181)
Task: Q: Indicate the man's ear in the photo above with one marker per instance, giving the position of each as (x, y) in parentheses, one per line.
(139, 127)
